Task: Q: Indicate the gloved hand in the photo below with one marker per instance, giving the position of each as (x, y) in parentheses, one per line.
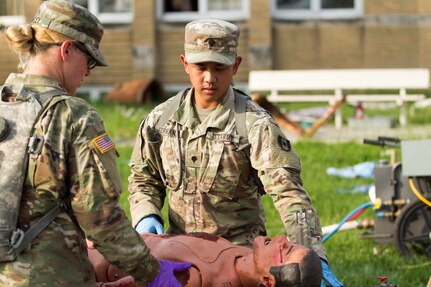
(150, 224)
(166, 276)
(328, 276)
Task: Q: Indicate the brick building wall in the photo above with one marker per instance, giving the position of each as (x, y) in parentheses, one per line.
(390, 34)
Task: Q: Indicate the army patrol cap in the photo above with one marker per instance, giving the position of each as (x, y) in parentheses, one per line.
(75, 22)
(211, 40)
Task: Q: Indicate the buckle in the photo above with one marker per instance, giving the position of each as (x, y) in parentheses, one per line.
(16, 238)
(35, 144)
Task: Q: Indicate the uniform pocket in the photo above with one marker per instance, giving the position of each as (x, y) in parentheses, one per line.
(223, 170)
(171, 165)
(211, 163)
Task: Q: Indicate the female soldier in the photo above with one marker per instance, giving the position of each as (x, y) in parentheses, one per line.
(74, 164)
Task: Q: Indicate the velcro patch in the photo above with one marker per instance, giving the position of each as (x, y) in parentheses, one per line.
(284, 143)
(103, 143)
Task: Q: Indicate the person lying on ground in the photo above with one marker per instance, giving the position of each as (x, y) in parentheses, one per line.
(218, 262)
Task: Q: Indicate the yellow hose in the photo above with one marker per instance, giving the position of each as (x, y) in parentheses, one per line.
(417, 193)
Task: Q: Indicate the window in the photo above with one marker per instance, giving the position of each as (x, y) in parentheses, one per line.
(109, 11)
(11, 12)
(317, 9)
(187, 10)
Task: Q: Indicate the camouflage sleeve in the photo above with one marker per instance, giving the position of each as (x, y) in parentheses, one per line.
(146, 189)
(96, 189)
(279, 169)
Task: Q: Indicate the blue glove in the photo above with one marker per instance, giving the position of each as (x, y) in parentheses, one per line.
(166, 276)
(150, 224)
(328, 276)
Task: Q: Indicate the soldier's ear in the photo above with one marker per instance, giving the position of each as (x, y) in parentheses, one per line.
(65, 49)
(267, 281)
(185, 64)
(238, 61)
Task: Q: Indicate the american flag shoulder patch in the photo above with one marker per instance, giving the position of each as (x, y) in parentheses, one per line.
(103, 143)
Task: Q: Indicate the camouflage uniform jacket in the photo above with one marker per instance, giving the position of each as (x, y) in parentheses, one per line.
(218, 194)
(71, 168)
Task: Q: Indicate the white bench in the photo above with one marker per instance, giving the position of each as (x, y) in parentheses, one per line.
(333, 83)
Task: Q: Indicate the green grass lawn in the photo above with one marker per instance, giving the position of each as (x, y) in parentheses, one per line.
(356, 262)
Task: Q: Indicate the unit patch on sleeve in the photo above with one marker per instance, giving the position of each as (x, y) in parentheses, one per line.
(103, 143)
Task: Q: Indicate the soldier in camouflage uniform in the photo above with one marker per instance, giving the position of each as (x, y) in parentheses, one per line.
(76, 165)
(199, 156)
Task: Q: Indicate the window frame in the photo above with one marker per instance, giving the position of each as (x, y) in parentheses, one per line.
(10, 20)
(110, 18)
(93, 7)
(232, 15)
(316, 12)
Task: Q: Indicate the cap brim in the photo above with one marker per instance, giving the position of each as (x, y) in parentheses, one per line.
(97, 55)
(211, 56)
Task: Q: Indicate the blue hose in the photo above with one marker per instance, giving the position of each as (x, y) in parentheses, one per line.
(362, 206)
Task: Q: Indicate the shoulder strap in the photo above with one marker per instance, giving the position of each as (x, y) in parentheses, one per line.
(241, 127)
(170, 110)
(42, 98)
(19, 239)
(240, 108)
(46, 100)
(240, 111)
(23, 239)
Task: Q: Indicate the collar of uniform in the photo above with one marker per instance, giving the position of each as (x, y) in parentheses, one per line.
(185, 115)
(29, 81)
(218, 119)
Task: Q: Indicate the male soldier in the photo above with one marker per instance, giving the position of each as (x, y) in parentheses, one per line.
(72, 170)
(195, 146)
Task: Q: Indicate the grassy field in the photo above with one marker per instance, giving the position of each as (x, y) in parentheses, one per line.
(356, 262)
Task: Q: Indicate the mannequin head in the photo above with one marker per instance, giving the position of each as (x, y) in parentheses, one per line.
(290, 264)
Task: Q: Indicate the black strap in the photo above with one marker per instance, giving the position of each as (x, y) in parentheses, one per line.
(29, 235)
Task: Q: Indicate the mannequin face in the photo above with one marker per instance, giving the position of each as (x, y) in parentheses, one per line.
(276, 251)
